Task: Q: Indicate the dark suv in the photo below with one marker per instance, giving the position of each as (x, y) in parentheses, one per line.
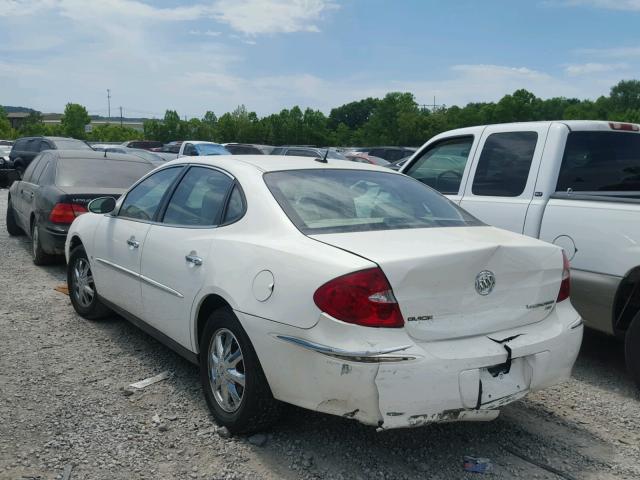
(27, 148)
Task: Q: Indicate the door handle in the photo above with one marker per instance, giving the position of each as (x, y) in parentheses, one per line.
(193, 259)
(133, 243)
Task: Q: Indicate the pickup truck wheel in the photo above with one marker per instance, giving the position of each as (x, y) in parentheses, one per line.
(12, 225)
(40, 257)
(82, 289)
(632, 348)
(234, 384)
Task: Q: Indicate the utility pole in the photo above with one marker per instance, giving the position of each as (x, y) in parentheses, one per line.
(433, 106)
(108, 105)
(121, 116)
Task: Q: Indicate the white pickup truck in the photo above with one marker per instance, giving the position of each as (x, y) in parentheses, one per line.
(572, 183)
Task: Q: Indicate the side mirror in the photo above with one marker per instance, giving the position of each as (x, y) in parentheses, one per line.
(102, 205)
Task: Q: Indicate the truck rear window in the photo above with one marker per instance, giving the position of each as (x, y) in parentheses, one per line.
(600, 162)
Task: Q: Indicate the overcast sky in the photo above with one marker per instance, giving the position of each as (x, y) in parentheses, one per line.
(273, 54)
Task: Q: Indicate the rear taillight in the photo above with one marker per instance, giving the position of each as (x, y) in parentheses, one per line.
(65, 213)
(565, 286)
(364, 298)
(627, 127)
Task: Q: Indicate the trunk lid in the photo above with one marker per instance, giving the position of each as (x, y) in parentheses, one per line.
(79, 195)
(433, 271)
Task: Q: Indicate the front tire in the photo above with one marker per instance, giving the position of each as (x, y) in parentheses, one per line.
(234, 384)
(632, 348)
(82, 289)
(12, 226)
(40, 257)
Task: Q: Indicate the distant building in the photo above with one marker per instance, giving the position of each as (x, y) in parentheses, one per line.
(16, 118)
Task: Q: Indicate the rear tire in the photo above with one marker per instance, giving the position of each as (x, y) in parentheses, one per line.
(40, 257)
(251, 406)
(12, 226)
(632, 348)
(82, 290)
(19, 168)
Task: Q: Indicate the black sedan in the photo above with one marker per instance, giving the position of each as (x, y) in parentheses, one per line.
(56, 188)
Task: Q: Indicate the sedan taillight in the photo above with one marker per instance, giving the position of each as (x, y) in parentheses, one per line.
(65, 213)
(565, 286)
(364, 298)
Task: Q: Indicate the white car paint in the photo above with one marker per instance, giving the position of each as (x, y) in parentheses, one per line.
(601, 234)
(318, 362)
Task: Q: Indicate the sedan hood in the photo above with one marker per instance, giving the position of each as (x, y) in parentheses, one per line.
(434, 271)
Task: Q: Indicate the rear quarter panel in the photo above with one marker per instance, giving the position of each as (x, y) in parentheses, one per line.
(602, 240)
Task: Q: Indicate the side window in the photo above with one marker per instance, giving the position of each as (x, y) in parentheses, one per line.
(189, 150)
(300, 152)
(44, 159)
(377, 152)
(442, 166)
(33, 145)
(277, 151)
(28, 173)
(143, 200)
(235, 207)
(393, 155)
(48, 174)
(199, 198)
(38, 177)
(44, 145)
(505, 161)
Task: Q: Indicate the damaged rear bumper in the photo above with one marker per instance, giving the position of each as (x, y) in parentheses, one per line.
(384, 377)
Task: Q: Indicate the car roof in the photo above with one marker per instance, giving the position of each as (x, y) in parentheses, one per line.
(273, 163)
(197, 142)
(92, 155)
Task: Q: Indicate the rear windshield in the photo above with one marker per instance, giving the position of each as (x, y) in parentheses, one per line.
(600, 162)
(103, 173)
(71, 145)
(211, 149)
(337, 200)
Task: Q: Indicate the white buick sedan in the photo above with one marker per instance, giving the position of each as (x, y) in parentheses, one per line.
(339, 287)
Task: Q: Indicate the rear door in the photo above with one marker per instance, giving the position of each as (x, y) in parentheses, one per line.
(178, 252)
(502, 179)
(24, 192)
(120, 238)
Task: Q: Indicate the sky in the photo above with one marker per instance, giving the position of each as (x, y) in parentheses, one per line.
(194, 56)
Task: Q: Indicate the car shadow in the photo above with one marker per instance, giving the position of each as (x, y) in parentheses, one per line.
(601, 363)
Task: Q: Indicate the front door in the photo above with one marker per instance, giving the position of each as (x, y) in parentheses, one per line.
(503, 175)
(120, 240)
(177, 255)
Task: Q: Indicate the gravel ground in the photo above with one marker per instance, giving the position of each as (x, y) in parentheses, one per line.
(62, 405)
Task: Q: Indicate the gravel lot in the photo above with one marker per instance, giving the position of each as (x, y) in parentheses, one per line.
(62, 405)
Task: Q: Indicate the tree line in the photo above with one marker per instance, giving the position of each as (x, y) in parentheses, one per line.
(396, 119)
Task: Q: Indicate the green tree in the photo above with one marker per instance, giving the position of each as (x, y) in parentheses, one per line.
(110, 132)
(625, 95)
(5, 125)
(353, 114)
(32, 125)
(74, 120)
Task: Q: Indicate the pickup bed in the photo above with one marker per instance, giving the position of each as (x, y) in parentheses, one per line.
(572, 183)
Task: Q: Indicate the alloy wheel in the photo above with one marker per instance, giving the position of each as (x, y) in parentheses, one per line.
(83, 286)
(226, 370)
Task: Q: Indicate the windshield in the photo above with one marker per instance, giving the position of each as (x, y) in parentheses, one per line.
(600, 162)
(337, 200)
(211, 149)
(102, 173)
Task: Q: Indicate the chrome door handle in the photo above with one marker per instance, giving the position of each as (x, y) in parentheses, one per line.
(193, 259)
(133, 243)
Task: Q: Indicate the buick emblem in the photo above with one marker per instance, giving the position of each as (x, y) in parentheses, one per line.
(485, 281)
